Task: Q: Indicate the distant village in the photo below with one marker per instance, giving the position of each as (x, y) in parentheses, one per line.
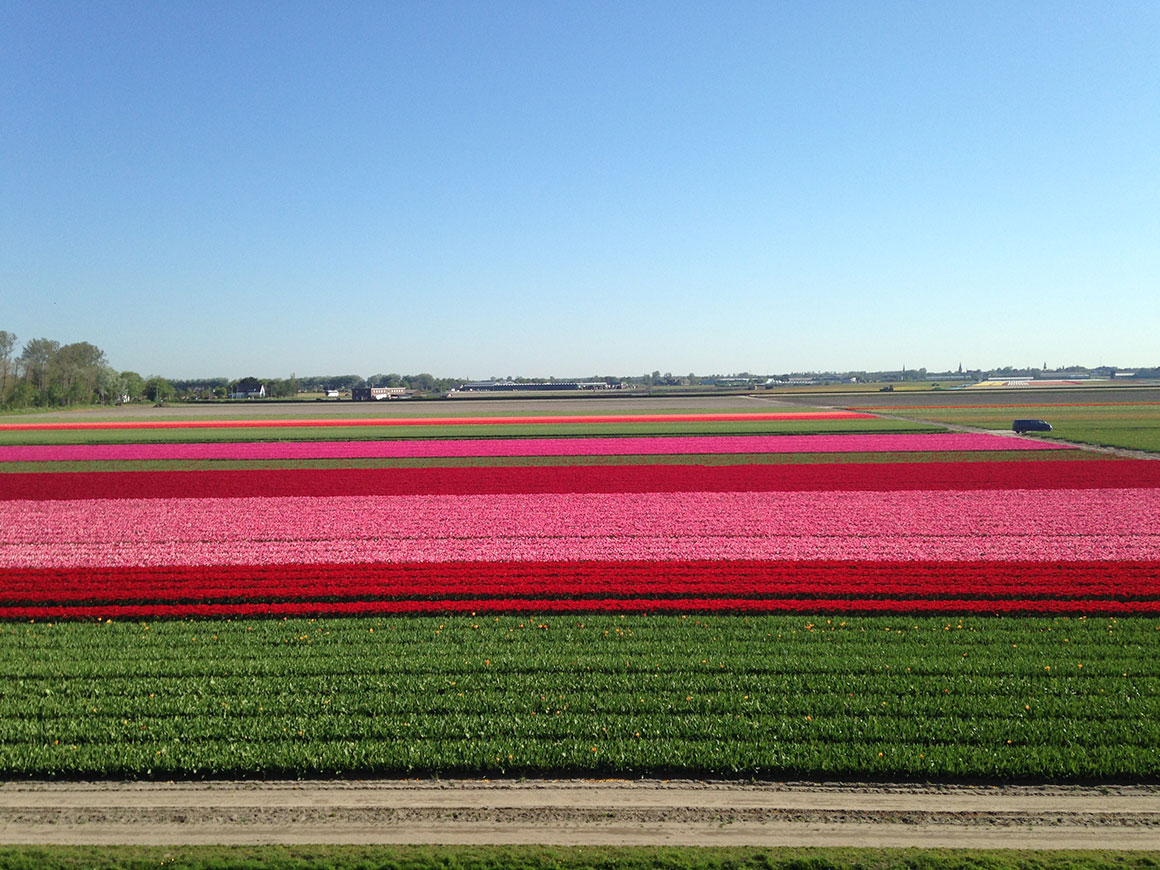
(390, 387)
(45, 373)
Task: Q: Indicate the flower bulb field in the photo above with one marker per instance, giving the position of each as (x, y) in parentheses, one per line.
(792, 594)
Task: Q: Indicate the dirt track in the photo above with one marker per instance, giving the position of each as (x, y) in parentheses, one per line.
(580, 813)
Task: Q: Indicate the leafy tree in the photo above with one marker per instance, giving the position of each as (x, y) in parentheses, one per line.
(22, 394)
(77, 370)
(47, 373)
(390, 380)
(157, 389)
(278, 388)
(424, 382)
(109, 386)
(38, 360)
(7, 363)
(248, 385)
(134, 386)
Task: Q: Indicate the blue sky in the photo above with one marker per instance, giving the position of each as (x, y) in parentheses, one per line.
(562, 188)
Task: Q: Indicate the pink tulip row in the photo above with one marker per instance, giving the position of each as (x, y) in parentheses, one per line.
(1044, 525)
(447, 448)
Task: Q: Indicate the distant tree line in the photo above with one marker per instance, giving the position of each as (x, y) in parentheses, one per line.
(45, 374)
(424, 382)
(285, 388)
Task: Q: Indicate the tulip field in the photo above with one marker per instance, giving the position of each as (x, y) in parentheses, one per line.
(877, 603)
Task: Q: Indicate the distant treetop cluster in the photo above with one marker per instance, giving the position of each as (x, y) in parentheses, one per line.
(48, 374)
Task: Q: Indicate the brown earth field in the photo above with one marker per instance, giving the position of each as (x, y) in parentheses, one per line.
(543, 406)
(581, 812)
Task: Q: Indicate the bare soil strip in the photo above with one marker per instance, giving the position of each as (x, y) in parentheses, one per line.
(399, 408)
(578, 812)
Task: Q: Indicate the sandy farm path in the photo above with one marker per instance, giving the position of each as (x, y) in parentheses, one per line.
(580, 812)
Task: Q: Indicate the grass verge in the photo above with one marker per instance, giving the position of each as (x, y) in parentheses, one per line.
(1132, 427)
(560, 858)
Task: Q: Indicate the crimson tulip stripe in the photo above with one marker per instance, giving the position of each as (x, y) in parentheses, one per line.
(862, 477)
(772, 581)
(82, 425)
(661, 445)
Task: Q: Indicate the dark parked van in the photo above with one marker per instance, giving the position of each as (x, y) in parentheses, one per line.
(1031, 426)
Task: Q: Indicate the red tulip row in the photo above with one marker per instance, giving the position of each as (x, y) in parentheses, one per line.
(1075, 587)
(250, 483)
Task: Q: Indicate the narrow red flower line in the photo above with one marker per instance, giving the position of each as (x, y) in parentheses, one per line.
(616, 605)
(430, 421)
(251, 483)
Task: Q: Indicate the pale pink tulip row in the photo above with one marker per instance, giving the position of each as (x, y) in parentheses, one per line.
(1045, 525)
(448, 448)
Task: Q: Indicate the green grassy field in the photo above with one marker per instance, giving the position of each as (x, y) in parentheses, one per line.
(1135, 427)
(934, 698)
(558, 858)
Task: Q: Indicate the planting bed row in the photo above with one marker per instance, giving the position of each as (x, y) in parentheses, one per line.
(760, 696)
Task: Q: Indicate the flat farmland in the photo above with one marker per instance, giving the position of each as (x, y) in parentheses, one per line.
(879, 603)
(542, 598)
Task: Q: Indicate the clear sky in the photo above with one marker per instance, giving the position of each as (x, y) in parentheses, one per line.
(531, 187)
